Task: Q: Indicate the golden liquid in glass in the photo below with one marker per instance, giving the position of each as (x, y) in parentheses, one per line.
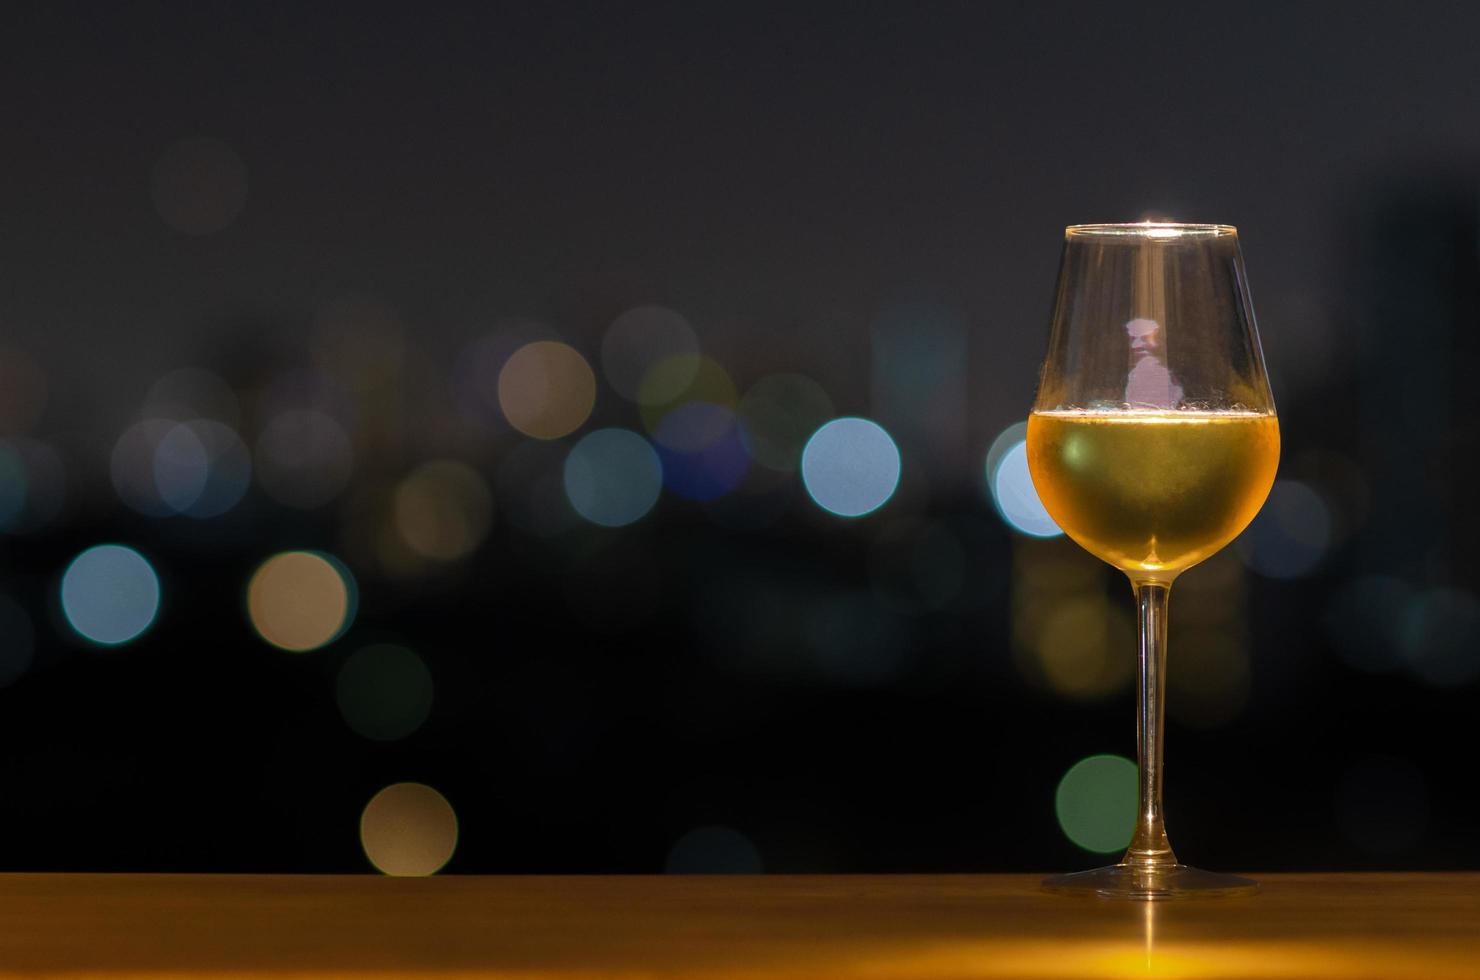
(1153, 493)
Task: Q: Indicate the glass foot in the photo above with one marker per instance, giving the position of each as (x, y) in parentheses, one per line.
(1150, 884)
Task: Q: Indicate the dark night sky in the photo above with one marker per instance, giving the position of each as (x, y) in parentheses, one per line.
(761, 168)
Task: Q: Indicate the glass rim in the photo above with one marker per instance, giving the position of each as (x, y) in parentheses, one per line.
(1151, 229)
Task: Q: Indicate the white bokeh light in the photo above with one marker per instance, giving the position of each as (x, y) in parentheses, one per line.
(110, 594)
(1016, 498)
(850, 467)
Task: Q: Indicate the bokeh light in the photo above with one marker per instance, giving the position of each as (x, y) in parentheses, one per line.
(853, 642)
(694, 426)
(681, 380)
(1015, 496)
(199, 186)
(1439, 635)
(33, 485)
(384, 692)
(300, 600)
(443, 510)
(180, 468)
(1096, 803)
(713, 850)
(1382, 805)
(132, 466)
(408, 830)
(546, 389)
(304, 458)
(1364, 619)
(612, 477)
(1006, 439)
(640, 338)
(916, 566)
(850, 467)
(1086, 647)
(305, 388)
(192, 393)
(918, 375)
(530, 488)
(17, 640)
(1290, 536)
(201, 468)
(702, 451)
(476, 369)
(778, 414)
(110, 594)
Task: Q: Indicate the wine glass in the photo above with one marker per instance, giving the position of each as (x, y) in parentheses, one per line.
(1153, 442)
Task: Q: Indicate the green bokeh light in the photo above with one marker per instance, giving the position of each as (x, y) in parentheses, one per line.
(1096, 803)
(384, 692)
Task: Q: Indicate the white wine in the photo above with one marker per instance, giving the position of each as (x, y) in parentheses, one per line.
(1153, 493)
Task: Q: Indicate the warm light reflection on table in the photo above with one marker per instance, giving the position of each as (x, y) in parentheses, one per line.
(1418, 925)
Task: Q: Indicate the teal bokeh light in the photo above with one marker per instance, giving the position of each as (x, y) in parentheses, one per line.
(850, 467)
(110, 594)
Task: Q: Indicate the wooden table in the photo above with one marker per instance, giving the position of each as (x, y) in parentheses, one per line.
(940, 927)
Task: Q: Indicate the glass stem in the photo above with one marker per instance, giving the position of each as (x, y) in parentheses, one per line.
(1149, 847)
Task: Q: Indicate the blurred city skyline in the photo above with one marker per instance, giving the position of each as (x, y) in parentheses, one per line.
(395, 397)
(782, 178)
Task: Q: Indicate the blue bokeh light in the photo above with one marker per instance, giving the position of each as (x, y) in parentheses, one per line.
(850, 467)
(1291, 535)
(181, 467)
(1016, 498)
(201, 468)
(613, 477)
(110, 594)
(702, 449)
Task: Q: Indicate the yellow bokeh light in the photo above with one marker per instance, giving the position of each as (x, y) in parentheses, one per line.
(299, 600)
(546, 389)
(683, 378)
(443, 510)
(408, 830)
(1086, 647)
